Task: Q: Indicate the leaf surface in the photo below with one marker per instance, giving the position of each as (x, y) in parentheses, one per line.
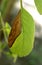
(39, 5)
(25, 41)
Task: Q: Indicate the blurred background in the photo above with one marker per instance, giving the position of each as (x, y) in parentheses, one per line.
(35, 57)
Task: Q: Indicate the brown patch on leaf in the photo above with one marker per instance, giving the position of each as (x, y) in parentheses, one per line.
(15, 30)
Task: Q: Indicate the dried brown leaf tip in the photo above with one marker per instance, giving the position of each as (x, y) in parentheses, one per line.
(15, 30)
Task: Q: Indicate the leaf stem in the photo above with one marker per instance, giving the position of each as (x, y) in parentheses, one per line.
(21, 3)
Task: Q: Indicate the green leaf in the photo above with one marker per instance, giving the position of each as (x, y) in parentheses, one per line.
(6, 7)
(25, 41)
(39, 5)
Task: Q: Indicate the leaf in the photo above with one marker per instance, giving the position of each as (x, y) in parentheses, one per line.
(24, 43)
(6, 7)
(39, 5)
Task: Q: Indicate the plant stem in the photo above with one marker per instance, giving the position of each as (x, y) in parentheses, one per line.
(2, 24)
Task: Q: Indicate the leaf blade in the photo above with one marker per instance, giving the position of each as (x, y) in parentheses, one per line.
(39, 5)
(24, 43)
